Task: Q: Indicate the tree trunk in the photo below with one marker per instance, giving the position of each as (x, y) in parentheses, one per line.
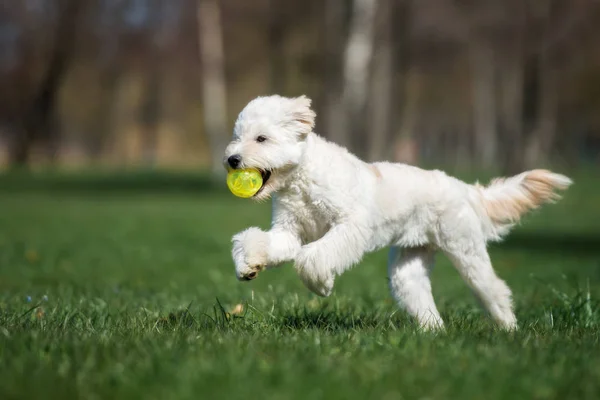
(512, 112)
(21, 146)
(334, 29)
(357, 59)
(149, 116)
(380, 105)
(102, 124)
(483, 85)
(405, 146)
(541, 139)
(213, 79)
(123, 136)
(275, 39)
(39, 121)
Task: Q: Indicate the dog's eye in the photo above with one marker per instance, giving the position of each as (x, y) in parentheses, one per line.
(261, 139)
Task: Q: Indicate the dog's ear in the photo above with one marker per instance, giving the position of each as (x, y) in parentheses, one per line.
(303, 116)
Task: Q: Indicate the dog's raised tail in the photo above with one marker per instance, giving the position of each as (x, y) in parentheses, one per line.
(505, 200)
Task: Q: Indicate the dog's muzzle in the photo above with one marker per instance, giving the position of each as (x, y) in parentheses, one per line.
(249, 276)
(234, 161)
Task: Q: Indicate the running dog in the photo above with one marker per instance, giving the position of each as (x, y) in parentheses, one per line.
(330, 208)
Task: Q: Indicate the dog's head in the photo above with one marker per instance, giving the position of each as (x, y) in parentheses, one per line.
(269, 135)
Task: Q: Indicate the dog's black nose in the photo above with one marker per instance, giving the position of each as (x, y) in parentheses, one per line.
(234, 161)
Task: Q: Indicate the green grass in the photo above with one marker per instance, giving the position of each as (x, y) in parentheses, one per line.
(123, 288)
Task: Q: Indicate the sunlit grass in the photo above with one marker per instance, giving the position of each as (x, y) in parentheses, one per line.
(118, 290)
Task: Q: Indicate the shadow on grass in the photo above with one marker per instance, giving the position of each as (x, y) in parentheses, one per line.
(553, 242)
(300, 320)
(336, 321)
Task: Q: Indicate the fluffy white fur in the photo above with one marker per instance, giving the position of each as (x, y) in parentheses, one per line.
(330, 208)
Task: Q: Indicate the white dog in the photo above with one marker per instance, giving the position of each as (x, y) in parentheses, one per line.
(330, 208)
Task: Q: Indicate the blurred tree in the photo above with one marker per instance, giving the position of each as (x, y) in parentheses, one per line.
(357, 64)
(483, 69)
(381, 97)
(406, 98)
(276, 41)
(39, 120)
(335, 28)
(557, 23)
(476, 83)
(213, 80)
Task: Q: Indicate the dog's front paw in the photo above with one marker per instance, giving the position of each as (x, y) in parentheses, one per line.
(249, 253)
(315, 275)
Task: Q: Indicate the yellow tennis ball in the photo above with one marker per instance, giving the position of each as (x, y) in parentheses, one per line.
(244, 183)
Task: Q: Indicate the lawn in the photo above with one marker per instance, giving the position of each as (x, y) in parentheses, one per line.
(123, 287)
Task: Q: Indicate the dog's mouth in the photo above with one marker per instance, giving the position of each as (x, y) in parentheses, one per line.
(266, 174)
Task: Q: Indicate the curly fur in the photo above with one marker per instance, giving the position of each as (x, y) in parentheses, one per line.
(330, 208)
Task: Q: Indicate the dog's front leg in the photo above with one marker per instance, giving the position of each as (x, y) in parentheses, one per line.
(317, 263)
(254, 250)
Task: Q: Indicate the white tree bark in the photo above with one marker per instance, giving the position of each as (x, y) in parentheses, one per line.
(334, 42)
(405, 146)
(382, 84)
(214, 96)
(357, 59)
(276, 41)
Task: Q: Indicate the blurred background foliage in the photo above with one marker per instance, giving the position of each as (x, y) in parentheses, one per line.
(486, 84)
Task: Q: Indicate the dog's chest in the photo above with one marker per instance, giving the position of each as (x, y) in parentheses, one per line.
(315, 216)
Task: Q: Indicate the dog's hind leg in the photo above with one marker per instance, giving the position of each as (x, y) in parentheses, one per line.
(410, 285)
(473, 263)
